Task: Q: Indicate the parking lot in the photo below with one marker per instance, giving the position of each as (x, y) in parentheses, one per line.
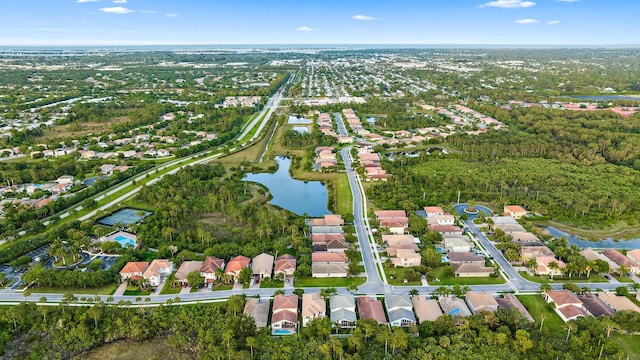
(107, 261)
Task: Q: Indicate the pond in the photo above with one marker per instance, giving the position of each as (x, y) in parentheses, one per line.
(606, 97)
(460, 210)
(600, 244)
(300, 197)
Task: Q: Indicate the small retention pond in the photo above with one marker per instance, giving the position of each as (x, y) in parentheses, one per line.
(300, 197)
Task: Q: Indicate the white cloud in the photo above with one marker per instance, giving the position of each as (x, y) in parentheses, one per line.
(148, 11)
(509, 4)
(363, 17)
(172, 15)
(305, 28)
(527, 21)
(116, 10)
(86, 1)
(119, 1)
(553, 22)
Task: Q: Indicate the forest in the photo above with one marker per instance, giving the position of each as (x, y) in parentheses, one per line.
(221, 331)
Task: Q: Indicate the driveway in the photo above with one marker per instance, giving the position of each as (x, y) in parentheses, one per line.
(121, 289)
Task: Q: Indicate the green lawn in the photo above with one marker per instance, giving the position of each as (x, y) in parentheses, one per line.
(398, 277)
(222, 287)
(168, 290)
(68, 260)
(544, 279)
(445, 280)
(538, 308)
(193, 290)
(630, 344)
(105, 290)
(344, 196)
(135, 291)
(268, 284)
(624, 279)
(328, 282)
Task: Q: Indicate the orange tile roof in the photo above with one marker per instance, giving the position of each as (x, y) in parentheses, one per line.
(134, 267)
(237, 263)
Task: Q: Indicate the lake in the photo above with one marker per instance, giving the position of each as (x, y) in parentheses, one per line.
(605, 97)
(600, 244)
(300, 197)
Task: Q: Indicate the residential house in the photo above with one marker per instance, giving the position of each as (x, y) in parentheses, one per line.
(235, 266)
(618, 303)
(532, 252)
(456, 244)
(285, 265)
(634, 255)
(454, 306)
(621, 260)
(65, 179)
(107, 169)
(433, 211)
(510, 228)
(395, 226)
(157, 270)
(465, 258)
(370, 308)
(545, 266)
(406, 258)
(472, 270)
(329, 242)
(343, 310)
(210, 266)
(595, 306)
(329, 220)
(326, 264)
(284, 314)
(446, 229)
(399, 310)
(524, 239)
(442, 220)
(481, 301)
(391, 240)
(133, 270)
(185, 268)
(510, 301)
(313, 307)
(426, 309)
(262, 265)
(592, 255)
(325, 229)
(393, 250)
(568, 306)
(515, 211)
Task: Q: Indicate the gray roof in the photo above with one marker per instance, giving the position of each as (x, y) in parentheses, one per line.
(326, 229)
(258, 310)
(399, 314)
(454, 306)
(337, 302)
(394, 301)
(343, 314)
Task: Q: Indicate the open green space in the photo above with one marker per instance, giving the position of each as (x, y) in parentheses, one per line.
(135, 291)
(543, 279)
(328, 282)
(438, 273)
(396, 275)
(222, 287)
(630, 344)
(104, 290)
(540, 309)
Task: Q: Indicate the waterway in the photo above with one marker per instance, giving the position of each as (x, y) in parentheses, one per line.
(606, 97)
(600, 244)
(300, 197)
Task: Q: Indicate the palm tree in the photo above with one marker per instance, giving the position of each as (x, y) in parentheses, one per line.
(532, 264)
(414, 292)
(553, 266)
(327, 292)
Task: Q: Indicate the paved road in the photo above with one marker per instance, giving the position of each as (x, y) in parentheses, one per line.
(375, 284)
(342, 129)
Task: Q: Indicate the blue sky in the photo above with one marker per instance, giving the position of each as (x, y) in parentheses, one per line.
(159, 22)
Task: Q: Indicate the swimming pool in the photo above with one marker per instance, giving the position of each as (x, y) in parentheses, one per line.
(125, 241)
(282, 332)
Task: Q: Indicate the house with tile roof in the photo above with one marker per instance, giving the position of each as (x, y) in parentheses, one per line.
(510, 301)
(426, 309)
(515, 211)
(472, 270)
(313, 307)
(595, 306)
(258, 309)
(545, 268)
(481, 301)
(185, 268)
(634, 255)
(454, 306)
(157, 270)
(285, 265)
(621, 260)
(618, 303)
(210, 266)
(262, 265)
(235, 266)
(284, 317)
(567, 304)
(433, 211)
(370, 308)
(133, 270)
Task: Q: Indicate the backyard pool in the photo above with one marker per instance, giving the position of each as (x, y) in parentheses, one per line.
(282, 332)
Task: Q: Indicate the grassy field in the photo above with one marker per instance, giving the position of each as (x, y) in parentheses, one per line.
(328, 282)
(538, 308)
(105, 290)
(222, 287)
(150, 350)
(398, 277)
(543, 279)
(275, 284)
(444, 280)
(135, 291)
(630, 344)
(168, 290)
